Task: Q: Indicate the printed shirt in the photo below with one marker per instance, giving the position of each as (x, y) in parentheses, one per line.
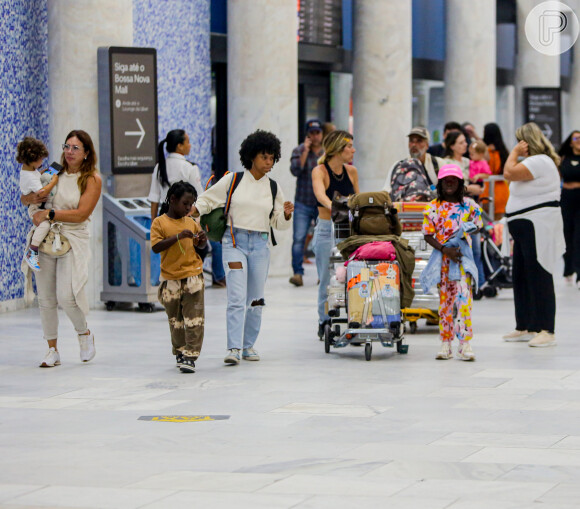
(304, 191)
(174, 263)
(441, 218)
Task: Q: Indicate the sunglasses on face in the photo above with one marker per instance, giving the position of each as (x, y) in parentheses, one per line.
(72, 148)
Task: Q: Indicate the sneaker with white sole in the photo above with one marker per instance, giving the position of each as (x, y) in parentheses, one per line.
(518, 336)
(445, 352)
(187, 365)
(249, 354)
(31, 258)
(51, 359)
(233, 356)
(178, 359)
(87, 344)
(464, 352)
(543, 339)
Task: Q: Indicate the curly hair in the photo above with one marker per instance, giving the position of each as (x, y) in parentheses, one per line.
(88, 167)
(259, 142)
(30, 150)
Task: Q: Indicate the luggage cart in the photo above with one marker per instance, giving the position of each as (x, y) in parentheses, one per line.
(424, 305)
(380, 320)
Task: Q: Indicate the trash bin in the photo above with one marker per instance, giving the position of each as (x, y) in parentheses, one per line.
(131, 270)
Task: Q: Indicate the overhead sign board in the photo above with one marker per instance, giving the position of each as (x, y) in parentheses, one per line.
(127, 109)
(543, 106)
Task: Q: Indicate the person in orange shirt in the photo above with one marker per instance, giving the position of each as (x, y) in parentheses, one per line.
(498, 154)
(175, 235)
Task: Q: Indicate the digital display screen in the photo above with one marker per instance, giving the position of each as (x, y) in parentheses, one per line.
(320, 22)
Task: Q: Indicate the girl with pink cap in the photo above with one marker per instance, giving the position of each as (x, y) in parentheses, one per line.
(445, 224)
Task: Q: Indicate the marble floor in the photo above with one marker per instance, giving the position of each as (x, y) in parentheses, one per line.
(299, 429)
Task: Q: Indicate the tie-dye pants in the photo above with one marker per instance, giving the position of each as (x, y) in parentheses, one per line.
(183, 303)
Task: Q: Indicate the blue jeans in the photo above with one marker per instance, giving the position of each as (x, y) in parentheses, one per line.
(323, 243)
(245, 286)
(303, 217)
(217, 265)
(477, 257)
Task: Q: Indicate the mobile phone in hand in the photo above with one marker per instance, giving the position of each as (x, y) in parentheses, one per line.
(53, 169)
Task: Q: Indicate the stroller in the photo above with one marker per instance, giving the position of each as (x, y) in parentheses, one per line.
(367, 291)
(497, 261)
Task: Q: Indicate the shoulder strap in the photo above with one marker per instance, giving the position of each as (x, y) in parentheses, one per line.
(274, 189)
(211, 181)
(236, 179)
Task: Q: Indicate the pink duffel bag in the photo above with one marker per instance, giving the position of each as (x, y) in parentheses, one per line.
(375, 251)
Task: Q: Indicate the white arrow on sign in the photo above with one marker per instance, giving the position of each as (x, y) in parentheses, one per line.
(547, 131)
(141, 133)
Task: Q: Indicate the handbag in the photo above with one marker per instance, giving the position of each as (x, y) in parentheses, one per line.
(55, 243)
(214, 223)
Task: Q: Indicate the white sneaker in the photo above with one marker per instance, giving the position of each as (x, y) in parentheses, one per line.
(87, 343)
(518, 335)
(233, 356)
(465, 353)
(51, 359)
(249, 354)
(543, 339)
(445, 352)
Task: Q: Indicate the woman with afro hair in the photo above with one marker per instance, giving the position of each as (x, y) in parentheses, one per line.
(255, 208)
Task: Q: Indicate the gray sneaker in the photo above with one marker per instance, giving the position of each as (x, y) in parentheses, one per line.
(233, 356)
(249, 354)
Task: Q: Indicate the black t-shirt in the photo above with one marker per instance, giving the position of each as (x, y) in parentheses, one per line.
(570, 168)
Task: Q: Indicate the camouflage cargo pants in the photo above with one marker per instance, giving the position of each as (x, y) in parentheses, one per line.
(183, 303)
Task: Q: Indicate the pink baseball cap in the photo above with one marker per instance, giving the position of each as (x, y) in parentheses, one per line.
(450, 170)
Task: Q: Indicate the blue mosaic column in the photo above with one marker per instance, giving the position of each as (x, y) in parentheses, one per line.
(179, 30)
(23, 112)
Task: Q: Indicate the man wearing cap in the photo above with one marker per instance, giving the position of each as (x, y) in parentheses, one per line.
(304, 159)
(420, 161)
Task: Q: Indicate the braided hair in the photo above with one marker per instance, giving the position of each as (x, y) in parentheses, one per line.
(459, 194)
(178, 190)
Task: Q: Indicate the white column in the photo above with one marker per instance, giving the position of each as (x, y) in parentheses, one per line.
(470, 63)
(505, 114)
(573, 111)
(382, 93)
(341, 89)
(263, 91)
(76, 28)
(533, 69)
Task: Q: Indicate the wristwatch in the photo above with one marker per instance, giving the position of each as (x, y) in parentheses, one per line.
(50, 216)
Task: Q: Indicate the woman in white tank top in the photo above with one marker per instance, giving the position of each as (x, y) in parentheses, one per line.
(62, 279)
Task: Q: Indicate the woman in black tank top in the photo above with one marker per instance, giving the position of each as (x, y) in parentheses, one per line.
(334, 173)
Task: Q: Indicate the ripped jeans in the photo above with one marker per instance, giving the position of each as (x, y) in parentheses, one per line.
(246, 267)
(183, 303)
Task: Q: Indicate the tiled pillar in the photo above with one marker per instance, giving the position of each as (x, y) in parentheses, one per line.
(470, 64)
(382, 92)
(76, 28)
(23, 112)
(263, 91)
(179, 30)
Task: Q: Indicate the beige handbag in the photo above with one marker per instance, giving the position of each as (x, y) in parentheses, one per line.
(55, 243)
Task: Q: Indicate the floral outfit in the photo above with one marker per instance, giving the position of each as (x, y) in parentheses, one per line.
(441, 219)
